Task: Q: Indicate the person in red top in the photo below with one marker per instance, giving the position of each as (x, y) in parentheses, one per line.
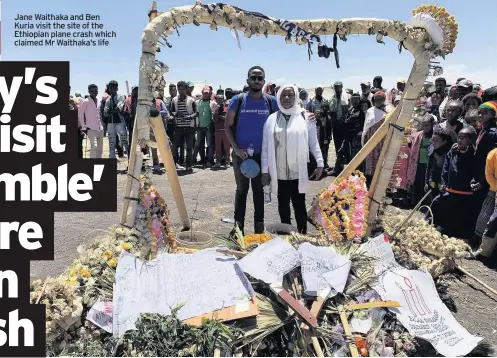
(221, 141)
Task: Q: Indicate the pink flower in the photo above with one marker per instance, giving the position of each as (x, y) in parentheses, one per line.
(360, 194)
(357, 215)
(359, 206)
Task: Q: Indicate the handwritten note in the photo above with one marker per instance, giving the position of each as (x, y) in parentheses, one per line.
(202, 283)
(271, 261)
(323, 270)
(379, 247)
(100, 314)
(425, 315)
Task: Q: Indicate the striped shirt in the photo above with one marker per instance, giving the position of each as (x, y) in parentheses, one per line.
(184, 118)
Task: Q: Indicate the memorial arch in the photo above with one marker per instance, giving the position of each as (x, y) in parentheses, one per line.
(431, 34)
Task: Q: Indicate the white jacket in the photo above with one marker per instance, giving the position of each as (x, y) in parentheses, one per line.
(268, 155)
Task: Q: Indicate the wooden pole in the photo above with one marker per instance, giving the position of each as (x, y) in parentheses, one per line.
(167, 159)
(469, 274)
(134, 193)
(131, 165)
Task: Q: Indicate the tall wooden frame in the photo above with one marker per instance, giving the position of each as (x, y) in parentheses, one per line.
(415, 40)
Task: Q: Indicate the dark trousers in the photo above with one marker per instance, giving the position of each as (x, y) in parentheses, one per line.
(451, 212)
(338, 138)
(80, 144)
(242, 188)
(182, 136)
(204, 135)
(419, 183)
(289, 190)
(324, 140)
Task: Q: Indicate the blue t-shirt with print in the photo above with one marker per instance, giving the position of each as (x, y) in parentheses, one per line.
(251, 120)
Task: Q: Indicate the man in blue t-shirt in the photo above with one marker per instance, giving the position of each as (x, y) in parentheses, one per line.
(244, 125)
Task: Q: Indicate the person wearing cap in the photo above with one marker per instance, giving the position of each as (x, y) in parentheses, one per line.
(116, 127)
(486, 142)
(189, 89)
(464, 87)
(366, 91)
(184, 112)
(91, 123)
(321, 109)
(205, 109)
(377, 85)
(339, 106)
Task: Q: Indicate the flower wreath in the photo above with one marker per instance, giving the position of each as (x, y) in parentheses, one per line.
(341, 209)
(158, 218)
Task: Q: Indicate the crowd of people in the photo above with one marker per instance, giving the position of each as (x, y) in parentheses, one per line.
(448, 159)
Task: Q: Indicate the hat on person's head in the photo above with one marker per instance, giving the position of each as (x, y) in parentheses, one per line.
(465, 83)
(113, 82)
(492, 105)
(206, 89)
(356, 95)
(380, 94)
(319, 87)
(190, 84)
(401, 80)
(338, 83)
(378, 78)
(365, 83)
(441, 79)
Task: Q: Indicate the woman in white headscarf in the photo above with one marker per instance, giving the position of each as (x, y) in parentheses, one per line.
(288, 137)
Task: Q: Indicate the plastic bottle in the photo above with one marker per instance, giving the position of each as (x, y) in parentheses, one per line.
(250, 150)
(267, 194)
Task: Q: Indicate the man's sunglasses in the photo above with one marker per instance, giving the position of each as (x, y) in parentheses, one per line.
(257, 78)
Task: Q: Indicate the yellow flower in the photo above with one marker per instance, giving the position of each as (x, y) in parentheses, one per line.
(112, 262)
(108, 254)
(126, 245)
(84, 272)
(73, 273)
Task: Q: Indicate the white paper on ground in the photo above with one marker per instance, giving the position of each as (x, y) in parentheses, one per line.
(380, 248)
(271, 261)
(425, 315)
(361, 325)
(202, 282)
(323, 270)
(100, 314)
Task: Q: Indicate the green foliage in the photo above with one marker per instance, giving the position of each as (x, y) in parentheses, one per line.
(167, 336)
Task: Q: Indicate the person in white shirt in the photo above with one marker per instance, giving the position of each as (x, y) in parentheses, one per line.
(288, 136)
(91, 123)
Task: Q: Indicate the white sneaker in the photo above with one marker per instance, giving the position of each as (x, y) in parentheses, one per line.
(179, 167)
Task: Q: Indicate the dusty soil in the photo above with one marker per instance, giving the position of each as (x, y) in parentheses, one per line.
(209, 197)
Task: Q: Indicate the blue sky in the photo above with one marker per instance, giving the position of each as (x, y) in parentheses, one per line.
(200, 54)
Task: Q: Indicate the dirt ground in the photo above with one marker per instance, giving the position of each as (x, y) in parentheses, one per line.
(209, 197)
